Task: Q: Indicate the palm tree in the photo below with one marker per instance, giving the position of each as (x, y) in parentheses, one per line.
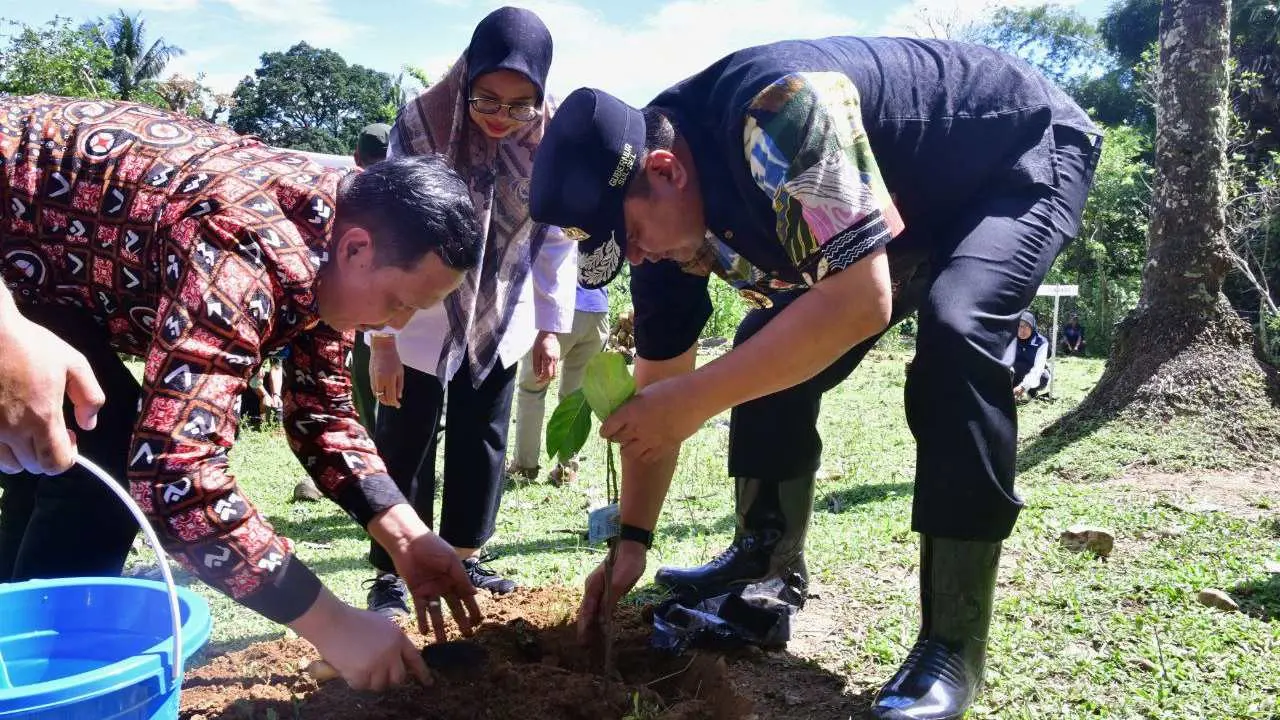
(131, 65)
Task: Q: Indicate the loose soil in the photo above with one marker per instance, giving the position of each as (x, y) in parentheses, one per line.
(535, 669)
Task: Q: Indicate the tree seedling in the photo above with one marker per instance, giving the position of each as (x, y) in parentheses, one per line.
(606, 385)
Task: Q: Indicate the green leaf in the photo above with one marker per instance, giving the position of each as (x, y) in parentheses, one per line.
(607, 384)
(568, 427)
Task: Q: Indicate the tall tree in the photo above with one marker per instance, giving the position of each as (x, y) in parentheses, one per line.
(133, 63)
(1059, 41)
(58, 58)
(310, 99)
(1183, 351)
(193, 97)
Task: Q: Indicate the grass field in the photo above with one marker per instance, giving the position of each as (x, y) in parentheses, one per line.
(1074, 636)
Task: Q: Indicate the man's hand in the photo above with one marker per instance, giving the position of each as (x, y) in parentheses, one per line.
(546, 356)
(656, 420)
(386, 372)
(431, 569)
(628, 566)
(366, 649)
(433, 572)
(37, 370)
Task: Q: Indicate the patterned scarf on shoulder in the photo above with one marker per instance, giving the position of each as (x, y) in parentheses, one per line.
(497, 172)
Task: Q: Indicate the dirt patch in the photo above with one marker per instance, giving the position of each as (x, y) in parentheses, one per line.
(1248, 494)
(536, 669)
(814, 677)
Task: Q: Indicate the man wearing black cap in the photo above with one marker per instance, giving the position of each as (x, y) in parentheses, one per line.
(839, 184)
(371, 145)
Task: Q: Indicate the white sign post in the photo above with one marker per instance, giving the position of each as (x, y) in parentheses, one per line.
(1056, 292)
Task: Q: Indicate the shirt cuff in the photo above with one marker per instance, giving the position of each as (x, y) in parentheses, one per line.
(292, 591)
(555, 320)
(368, 496)
(846, 248)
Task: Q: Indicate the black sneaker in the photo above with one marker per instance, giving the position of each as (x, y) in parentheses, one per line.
(485, 578)
(388, 596)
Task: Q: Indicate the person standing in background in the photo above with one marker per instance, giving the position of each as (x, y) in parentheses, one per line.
(579, 345)
(486, 117)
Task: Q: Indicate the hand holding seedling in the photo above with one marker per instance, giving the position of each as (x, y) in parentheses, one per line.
(599, 601)
(606, 386)
(655, 421)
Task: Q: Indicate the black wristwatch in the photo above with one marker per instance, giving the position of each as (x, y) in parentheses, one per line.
(635, 534)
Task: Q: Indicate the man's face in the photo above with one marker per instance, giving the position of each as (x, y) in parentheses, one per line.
(1024, 331)
(355, 293)
(664, 218)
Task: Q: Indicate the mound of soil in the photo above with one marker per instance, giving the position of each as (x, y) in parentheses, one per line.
(535, 669)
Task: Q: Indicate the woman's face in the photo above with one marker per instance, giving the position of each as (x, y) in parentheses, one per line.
(507, 92)
(1024, 331)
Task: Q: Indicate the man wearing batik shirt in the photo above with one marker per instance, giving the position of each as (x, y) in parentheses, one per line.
(125, 229)
(839, 184)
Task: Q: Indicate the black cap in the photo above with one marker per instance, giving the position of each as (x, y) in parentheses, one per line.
(589, 153)
(372, 142)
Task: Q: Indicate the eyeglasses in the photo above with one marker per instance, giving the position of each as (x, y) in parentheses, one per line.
(521, 113)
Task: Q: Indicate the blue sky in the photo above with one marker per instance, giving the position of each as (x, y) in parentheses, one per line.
(633, 49)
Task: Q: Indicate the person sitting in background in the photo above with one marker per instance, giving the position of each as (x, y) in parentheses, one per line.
(262, 400)
(579, 345)
(1030, 361)
(1072, 342)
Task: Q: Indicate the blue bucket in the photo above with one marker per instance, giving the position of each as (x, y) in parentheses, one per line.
(98, 648)
(94, 648)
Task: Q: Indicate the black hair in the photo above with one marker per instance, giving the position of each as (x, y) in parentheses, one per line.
(364, 160)
(659, 134)
(411, 206)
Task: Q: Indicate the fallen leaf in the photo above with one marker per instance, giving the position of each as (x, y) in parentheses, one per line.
(1215, 598)
(1095, 540)
(1144, 664)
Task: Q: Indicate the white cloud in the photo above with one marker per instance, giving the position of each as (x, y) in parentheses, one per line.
(311, 20)
(149, 5)
(194, 62)
(640, 59)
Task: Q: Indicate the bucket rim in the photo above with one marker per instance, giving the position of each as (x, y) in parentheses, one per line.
(153, 661)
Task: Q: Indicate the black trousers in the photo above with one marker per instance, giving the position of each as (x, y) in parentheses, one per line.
(475, 448)
(974, 278)
(69, 525)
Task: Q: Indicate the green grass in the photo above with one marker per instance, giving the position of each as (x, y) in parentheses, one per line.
(1073, 636)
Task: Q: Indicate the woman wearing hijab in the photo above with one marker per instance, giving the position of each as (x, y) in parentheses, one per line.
(1030, 358)
(486, 117)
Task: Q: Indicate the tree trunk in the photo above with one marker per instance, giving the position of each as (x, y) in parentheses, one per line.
(1183, 350)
